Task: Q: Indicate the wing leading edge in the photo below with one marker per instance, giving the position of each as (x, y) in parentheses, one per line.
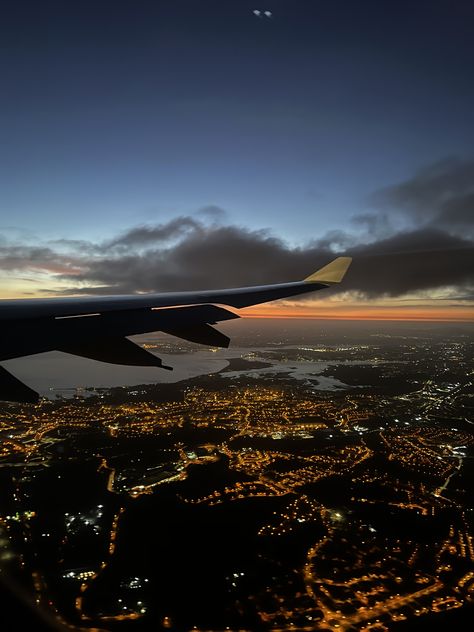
(96, 327)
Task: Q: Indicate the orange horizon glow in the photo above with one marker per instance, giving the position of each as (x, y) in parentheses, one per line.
(451, 314)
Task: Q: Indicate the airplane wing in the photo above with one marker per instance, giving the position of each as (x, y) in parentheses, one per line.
(97, 327)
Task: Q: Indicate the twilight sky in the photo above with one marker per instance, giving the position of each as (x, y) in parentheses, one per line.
(171, 144)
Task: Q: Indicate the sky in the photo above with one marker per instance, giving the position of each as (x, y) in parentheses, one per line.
(174, 145)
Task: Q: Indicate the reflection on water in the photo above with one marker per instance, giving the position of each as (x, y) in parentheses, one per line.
(57, 372)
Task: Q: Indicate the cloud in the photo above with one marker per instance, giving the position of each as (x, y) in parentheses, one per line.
(232, 256)
(440, 195)
(213, 213)
(204, 257)
(377, 225)
(458, 211)
(160, 233)
(335, 240)
(14, 258)
(422, 259)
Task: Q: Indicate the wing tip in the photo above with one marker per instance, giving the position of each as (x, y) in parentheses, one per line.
(331, 273)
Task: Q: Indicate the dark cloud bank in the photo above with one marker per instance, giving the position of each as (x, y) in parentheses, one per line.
(199, 252)
(441, 195)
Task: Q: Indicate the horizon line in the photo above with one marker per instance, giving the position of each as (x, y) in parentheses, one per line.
(358, 318)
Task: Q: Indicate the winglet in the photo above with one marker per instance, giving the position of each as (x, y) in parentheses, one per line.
(332, 273)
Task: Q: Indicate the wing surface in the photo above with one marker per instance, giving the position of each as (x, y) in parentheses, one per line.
(97, 327)
(236, 297)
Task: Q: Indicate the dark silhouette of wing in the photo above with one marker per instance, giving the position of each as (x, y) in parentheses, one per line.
(97, 327)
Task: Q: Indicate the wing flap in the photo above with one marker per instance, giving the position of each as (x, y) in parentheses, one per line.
(202, 334)
(14, 390)
(114, 351)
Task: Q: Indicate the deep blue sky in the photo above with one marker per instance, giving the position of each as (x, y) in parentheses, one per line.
(120, 113)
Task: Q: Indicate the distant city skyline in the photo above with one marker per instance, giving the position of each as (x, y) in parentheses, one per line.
(185, 145)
